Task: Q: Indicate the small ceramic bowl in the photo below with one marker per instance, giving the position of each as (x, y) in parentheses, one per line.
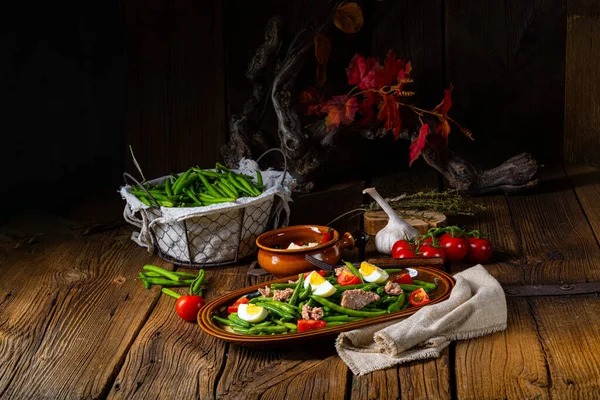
(274, 257)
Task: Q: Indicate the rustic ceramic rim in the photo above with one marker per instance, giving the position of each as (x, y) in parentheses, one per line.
(321, 228)
(210, 327)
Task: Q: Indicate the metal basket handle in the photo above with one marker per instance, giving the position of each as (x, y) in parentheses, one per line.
(284, 161)
(127, 176)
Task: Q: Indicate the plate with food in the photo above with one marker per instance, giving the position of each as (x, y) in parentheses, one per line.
(319, 303)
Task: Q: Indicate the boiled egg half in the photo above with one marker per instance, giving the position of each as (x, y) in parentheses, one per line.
(372, 273)
(320, 286)
(252, 312)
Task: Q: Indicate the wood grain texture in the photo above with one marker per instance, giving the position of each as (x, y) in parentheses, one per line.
(301, 373)
(428, 379)
(586, 181)
(557, 243)
(69, 312)
(504, 365)
(169, 350)
(574, 360)
(506, 61)
(176, 89)
(582, 83)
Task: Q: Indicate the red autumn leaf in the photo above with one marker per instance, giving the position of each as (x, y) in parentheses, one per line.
(443, 129)
(312, 101)
(340, 110)
(419, 144)
(349, 18)
(366, 108)
(390, 113)
(363, 72)
(391, 68)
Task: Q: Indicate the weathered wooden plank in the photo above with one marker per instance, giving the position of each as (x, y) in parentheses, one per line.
(428, 379)
(582, 83)
(586, 181)
(569, 331)
(173, 358)
(176, 86)
(504, 365)
(558, 245)
(506, 61)
(69, 312)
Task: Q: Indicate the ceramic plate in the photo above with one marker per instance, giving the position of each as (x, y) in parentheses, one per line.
(219, 306)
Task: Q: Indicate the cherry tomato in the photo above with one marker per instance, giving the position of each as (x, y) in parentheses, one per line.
(480, 250)
(347, 278)
(310, 324)
(455, 248)
(234, 307)
(405, 279)
(401, 245)
(429, 251)
(418, 297)
(187, 307)
(404, 253)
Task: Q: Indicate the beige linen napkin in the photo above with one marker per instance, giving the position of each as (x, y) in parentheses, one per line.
(476, 307)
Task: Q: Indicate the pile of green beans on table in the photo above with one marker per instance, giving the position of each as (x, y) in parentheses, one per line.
(201, 187)
(283, 317)
(153, 275)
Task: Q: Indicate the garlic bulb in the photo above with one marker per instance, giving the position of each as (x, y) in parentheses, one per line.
(396, 229)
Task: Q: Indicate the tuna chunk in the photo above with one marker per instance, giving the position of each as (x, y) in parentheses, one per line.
(357, 298)
(392, 288)
(315, 313)
(266, 292)
(283, 295)
(338, 271)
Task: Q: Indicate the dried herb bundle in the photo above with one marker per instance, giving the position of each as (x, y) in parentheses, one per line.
(448, 202)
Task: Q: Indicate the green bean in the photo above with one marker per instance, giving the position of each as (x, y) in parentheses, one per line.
(168, 282)
(186, 183)
(191, 195)
(168, 187)
(221, 167)
(267, 329)
(233, 317)
(264, 323)
(163, 272)
(222, 320)
(178, 273)
(237, 329)
(354, 271)
(284, 307)
(390, 299)
(260, 299)
(229, 186)
(336, 323)
(166, 203)
(275, 310)
(289, 325)
(412, 288)
(219, 200)
(430, 285)
(207, 172)
(366, 287)
(380, 290)
(306, 293)
(208, 186)
(393, 270)
(145, 201)
(259, 180)
(296, 293)
(238, 185)
(145, 281)
(225, 189)
(280, 286)
(171, 293)
(248, 186)
(347, 311)
(180, 179)
(195, 285)
(310, 302)
(397, 305)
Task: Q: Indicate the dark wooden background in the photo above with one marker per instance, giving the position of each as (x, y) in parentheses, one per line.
(80, 83)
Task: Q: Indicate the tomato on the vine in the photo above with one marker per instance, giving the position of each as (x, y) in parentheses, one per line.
(404, 253)
(455, 248)
(187, 307)
(401, 245)
(480, 250)
(429, 251)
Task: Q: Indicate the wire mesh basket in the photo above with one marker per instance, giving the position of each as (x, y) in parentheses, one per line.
(215, 235)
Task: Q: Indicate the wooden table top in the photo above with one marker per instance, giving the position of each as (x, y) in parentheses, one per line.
(76, 322)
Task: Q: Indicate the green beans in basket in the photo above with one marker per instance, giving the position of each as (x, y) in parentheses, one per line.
(200, 187)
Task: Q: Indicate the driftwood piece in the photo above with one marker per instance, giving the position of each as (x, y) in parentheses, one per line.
(307, 148)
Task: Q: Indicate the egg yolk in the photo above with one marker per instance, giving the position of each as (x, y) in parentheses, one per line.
(367, 269)
(253, 309)
(315, 279)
